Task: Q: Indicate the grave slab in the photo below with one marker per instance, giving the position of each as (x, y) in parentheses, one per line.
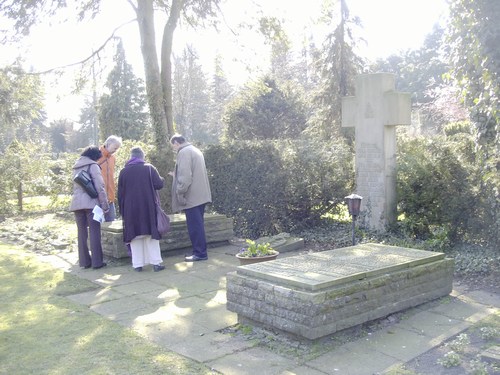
(218, 229)
(314, 295)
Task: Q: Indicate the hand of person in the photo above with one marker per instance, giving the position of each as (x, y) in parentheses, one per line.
(181, 199)
(171, 174)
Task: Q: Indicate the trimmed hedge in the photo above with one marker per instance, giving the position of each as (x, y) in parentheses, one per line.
(278, 186)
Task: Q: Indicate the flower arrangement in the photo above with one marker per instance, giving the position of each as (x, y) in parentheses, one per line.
(254, 250)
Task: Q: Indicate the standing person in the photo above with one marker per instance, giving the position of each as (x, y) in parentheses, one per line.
(107, 163)
(136, 200)
(82, 205)
(191, 192)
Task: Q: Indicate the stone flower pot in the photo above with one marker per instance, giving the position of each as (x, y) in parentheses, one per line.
(250, 260)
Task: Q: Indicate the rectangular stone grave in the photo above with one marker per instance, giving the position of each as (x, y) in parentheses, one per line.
(317, 294)
(218, 228)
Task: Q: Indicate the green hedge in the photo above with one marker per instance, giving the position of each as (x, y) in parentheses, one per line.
(278, 186)
(442, 194)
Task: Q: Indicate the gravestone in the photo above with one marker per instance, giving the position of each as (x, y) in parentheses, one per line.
(317, 294)
(375, 112)
(218, 229)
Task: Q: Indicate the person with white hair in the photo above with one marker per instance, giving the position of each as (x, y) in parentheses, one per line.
(107, 163)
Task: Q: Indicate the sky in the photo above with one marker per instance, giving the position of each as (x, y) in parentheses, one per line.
(389, 26)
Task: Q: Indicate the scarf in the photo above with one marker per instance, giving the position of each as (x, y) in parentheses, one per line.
(134, 161)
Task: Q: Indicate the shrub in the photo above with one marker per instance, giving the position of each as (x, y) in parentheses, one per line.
(439, 188)
(276, 186)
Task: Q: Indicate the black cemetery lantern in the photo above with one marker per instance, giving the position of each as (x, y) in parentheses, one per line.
(354, 206)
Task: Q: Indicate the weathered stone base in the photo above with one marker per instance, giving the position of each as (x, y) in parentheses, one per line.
(317, 294)
(218, 228)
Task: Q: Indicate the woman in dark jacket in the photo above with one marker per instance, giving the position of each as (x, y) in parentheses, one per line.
(137, 183)
(82, 205)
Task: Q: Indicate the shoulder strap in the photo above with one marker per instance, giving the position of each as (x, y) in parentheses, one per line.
(155, 192)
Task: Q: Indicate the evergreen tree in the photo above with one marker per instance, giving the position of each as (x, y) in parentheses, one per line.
(264, 111)
(220, 93)
(338, 66)
(122, 111)
(88, 131)
(280, 44)
(473, 36)
(21, 106)
(191, 99)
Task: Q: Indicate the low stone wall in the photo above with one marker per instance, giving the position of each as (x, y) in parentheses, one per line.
(314, 295)
(218, 228)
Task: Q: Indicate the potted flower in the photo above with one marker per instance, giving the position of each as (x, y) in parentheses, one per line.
(256, 252)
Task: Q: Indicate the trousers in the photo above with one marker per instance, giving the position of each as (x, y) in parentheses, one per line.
(196, 229)
(145, 250)
(86, 226)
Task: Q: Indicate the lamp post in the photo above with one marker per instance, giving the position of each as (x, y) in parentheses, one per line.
(354, 206)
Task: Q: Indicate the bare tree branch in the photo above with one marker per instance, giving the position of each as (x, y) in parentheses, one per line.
(94, 53)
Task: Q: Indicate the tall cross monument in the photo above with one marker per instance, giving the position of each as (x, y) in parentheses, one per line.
(374, 112)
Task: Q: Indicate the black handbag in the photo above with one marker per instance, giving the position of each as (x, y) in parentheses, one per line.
(84, 179)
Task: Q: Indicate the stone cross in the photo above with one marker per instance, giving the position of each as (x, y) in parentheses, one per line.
(374, 112)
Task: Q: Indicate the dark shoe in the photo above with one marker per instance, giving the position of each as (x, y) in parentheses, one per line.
(87, 267)
(158, 267)
(138, 269)
(102, 265)
(194, 258)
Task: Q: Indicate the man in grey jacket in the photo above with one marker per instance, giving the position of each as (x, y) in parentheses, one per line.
(190, 193)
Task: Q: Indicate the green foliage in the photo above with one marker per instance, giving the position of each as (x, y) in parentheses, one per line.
(450, 359)
(22, 165)
(254, 249)
(439, 189)
(122, 111)
(21, 106)
(337, 66)
(276, 187)
(459, 344)
(489, 333)
(473, 34)
(123, 153)
(265, 111)
(478, 367)
(190, 97)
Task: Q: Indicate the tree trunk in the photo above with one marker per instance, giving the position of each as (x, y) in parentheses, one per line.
(162, 157)
(145, 20)
(166, 62)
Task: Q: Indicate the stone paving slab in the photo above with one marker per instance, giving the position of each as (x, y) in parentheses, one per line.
(468, 311)
(491, 355)
(433, 325)
(96, 296)
(219, 345)
(250, 362)
(353, 360)
(397, 342)
(112, 309)
(303, 370)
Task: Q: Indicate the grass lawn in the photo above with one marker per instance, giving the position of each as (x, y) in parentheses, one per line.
(42, 332)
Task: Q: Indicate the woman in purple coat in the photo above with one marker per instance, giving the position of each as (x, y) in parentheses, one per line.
(136, 199)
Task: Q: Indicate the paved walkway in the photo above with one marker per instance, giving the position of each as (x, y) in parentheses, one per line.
(183, 308)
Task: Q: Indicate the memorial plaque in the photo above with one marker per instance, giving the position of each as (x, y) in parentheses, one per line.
(325, 269)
